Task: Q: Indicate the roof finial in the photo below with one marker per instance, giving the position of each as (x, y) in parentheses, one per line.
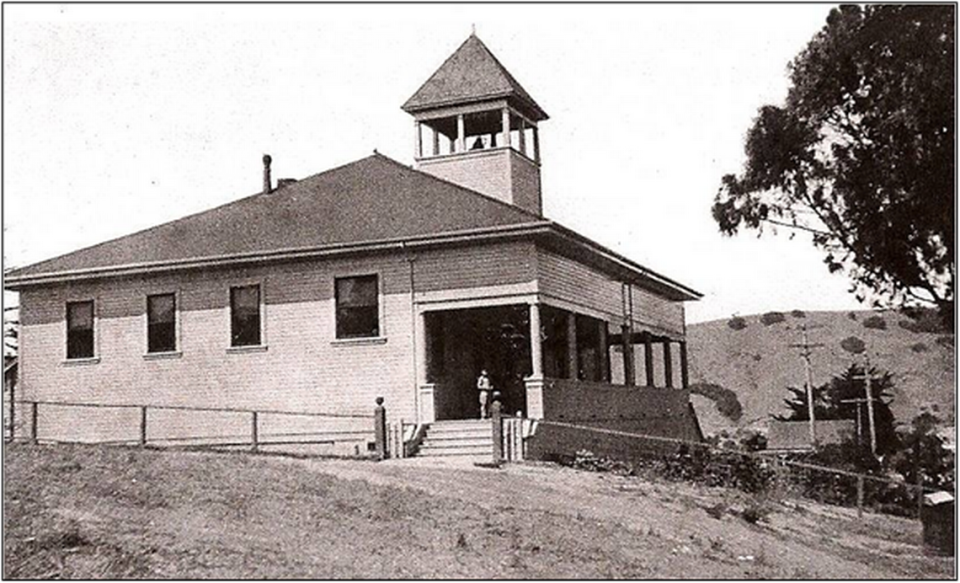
(473, 29)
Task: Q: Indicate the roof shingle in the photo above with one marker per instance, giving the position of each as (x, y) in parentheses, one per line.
(471, 74)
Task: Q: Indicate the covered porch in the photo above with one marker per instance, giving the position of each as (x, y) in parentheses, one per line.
(522, 345)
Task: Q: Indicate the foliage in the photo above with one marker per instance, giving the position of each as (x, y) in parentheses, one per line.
(798, 314)
(726, 401)
(923, 452)
(946, 340)
(736, 323)
(11, 331)
(861, 154)
(828, 404)
(853, 345)
(771, 318)
(875, 323)
(923, 321)
(919, 347)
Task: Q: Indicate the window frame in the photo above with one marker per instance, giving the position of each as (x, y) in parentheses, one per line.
(381, 335)
(261, 285)
(94, 327)
(147, 353)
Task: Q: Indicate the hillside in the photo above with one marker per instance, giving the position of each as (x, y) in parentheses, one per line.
(757, 363)
(75, 512)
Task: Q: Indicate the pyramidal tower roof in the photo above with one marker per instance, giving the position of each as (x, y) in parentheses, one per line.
(469, 75)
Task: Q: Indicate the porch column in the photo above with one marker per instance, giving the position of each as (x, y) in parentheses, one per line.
(604, 353)
(420, 332)
(418, 140)
(648, 358)
(667, 364)
(536, 348)
(436, 142)
(461, 135)
(506, 127)
(533, 384)
(684, 375)
(629, 374)
(573, 363)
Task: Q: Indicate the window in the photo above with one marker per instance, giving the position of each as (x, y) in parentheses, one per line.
(80, 329)
(162, 323)
(245, 315)
(358, 310)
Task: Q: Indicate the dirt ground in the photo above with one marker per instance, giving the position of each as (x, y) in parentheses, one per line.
(88, 512)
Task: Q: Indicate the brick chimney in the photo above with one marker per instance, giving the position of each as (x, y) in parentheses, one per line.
(267, 185)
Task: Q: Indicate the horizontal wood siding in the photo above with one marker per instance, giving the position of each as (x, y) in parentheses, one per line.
(579, 284)
(303, 368)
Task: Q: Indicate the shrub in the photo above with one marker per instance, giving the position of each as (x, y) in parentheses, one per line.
(923, 320)
(852, 315)
(771, 318)
(727, 402)
(909, 325)
(798, 314)
(919, 347)
(945, 340)
(736, 323)
(875, 322)
(853, 345)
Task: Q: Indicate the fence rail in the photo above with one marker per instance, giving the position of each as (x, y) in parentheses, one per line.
(856, 483)
(176, 432)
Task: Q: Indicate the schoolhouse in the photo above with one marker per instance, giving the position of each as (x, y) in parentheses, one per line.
(373, 279)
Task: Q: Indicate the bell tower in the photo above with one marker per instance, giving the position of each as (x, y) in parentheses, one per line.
(474, 125)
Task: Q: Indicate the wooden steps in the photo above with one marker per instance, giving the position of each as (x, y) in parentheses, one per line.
(471, 437)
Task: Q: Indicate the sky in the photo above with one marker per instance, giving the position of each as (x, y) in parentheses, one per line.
(121, 117)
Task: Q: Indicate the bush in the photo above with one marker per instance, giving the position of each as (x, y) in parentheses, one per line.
(736, 323)
(798, 314)
(852, 315)
(875, 323)
(771, 318)
(726, 401)
(923, 320)
(909, 325)
(919, 347)
(853, 345)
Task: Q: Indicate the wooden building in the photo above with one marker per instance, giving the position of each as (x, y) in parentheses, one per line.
(371, 279)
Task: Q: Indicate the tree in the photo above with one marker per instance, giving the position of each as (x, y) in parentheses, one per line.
(828, 405)
(861, 155)
(11, 331)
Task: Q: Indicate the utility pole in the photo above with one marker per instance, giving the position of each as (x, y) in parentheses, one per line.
(867, 378)
(805, 352)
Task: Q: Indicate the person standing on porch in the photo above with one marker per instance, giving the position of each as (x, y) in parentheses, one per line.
(484, 387)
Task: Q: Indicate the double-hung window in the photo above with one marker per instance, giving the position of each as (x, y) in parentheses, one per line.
(161, 323)
(80, 329)
(358, 307)
(245, 315)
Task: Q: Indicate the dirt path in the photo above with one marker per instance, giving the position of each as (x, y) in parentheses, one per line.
(797, 539)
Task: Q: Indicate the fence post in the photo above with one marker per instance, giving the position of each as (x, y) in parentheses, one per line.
(143, 426)
(495, 418)
(254, 433)
(33, 422)
(859, 496)
(13, 411)
(380, 428)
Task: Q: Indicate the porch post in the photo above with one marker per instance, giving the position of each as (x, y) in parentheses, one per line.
(604, 353)
(533, 384)
(648, 358)
(684, 375)
(573, 363)
(629, 375)
(667, 364)
(420, 332)
(536, 348)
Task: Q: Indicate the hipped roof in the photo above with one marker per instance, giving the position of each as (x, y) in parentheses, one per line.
(469, 75)
(372, 204)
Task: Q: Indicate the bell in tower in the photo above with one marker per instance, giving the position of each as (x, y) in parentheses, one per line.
(477, 127)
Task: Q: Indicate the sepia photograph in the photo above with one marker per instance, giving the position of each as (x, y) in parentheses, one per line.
(479, 291)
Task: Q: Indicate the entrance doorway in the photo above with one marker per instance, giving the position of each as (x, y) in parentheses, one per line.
(461, 343)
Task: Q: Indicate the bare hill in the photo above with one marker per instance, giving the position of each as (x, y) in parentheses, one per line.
(753, 359)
